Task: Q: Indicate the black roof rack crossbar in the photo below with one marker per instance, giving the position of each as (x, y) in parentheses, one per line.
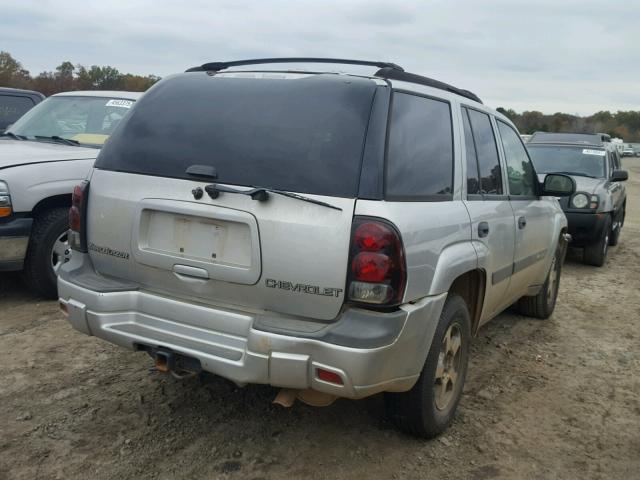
(217, 66)
(429, 82)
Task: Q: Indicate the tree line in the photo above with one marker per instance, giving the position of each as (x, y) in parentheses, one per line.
(621, 124)
(68, 76)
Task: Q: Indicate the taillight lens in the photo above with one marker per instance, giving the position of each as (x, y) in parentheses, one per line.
(77, 217)
(370, 266)
(377, 273)
(373, 237)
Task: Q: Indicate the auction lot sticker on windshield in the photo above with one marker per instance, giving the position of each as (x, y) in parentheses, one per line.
(600, 153)
(119, 103)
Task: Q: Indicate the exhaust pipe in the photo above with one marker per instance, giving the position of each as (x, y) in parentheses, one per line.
(179, 366)
(286, 397)
(163, 361)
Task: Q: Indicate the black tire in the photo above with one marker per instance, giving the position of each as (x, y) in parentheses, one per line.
(416, 411)
(596, 254)
(542, 305)
(38, 270)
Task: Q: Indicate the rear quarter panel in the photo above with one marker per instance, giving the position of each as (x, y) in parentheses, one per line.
(436, 238)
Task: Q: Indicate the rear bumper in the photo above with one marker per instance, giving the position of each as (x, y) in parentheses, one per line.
(14, 240)
(371, 352)
(585, 228)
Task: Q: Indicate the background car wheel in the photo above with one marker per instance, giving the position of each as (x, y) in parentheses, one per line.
(429, 407)
(48, 251)
(596, 254)
(542, 305)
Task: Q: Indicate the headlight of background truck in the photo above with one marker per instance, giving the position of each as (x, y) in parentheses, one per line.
(580, 200)
(5, 200)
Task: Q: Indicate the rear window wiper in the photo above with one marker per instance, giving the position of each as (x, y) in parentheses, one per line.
(261, 194)
(56, 138)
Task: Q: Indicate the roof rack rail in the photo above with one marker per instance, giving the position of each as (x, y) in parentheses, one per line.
(387, 70)
(403, 76)
(217, 66)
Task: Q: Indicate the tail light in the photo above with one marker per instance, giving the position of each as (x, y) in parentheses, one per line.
(377, 267)
(78, 216)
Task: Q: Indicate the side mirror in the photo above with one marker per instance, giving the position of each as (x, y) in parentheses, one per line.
(558, 185)
(619, 176)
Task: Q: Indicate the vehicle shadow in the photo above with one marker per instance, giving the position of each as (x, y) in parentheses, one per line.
(13, 289)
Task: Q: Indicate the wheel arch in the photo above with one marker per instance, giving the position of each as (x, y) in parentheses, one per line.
(55, 201)
(471, 286)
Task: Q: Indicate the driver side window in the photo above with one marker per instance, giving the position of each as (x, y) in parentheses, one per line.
(520, 171)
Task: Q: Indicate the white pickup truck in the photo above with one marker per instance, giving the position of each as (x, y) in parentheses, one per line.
(42, 156)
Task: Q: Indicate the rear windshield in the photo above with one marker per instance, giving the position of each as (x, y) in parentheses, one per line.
(304, 134)
(581, 161)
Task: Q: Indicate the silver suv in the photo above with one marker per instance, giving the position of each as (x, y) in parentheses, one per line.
(317, 231)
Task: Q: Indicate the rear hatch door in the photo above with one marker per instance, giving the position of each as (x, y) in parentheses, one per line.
(303, 134)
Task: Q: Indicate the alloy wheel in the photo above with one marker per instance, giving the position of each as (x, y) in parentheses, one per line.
(61, 252)
(448, 369)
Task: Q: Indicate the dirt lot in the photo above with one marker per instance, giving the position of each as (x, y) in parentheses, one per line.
(544, 399)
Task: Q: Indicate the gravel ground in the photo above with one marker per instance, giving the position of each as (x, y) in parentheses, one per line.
(544, 400)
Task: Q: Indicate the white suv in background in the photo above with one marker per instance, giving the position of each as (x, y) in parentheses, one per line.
(42, 156)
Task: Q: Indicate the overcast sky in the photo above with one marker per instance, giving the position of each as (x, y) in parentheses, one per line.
(562, 55)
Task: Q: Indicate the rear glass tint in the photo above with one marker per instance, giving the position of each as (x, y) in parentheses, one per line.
(303, 135)
(420, 149)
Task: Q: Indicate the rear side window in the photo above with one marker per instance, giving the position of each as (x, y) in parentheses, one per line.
(473, 176)
(612, 162)
(303, 134)
(615, 163)
(420, 149)
(12, 108)
(487, 152)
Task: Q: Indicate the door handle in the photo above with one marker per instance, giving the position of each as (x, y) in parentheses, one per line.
(483, 229)
(188, 271)
(522, 222)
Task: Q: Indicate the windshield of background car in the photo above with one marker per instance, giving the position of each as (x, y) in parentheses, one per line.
(87, 120)
(586, 161)
(302, 134)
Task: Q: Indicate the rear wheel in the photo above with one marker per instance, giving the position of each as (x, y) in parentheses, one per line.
(542, 305)
(48, 251)
(596, 254)
(429, 407)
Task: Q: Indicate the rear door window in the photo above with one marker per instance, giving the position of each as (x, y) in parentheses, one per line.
(487, 152)
(420, 149)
